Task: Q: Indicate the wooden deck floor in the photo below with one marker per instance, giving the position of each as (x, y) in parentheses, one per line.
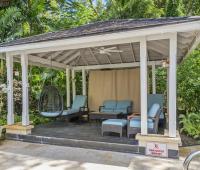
(80, 130)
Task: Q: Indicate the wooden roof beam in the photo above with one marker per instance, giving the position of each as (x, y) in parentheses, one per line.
(93, 55)
(120, 56)
(71, 58)
(54, 55)
(132, 51)
(46, 62)
(65, 55)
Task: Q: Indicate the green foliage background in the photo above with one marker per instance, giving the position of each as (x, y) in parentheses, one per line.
(24, 18)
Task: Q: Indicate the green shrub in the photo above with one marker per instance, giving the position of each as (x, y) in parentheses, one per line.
(190, 123)
(3, 120)
(188, 83)
(34, 117)
(37, 119)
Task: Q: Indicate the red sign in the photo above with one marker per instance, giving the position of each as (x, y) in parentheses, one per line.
(156, 149)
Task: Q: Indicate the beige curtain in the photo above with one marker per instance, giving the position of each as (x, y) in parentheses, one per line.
(114, 84)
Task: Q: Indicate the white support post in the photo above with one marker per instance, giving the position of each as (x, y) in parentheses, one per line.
(68, 87)
(25, 86)
(83, 82)
(167, 120)
(172, 85)
(73, 84)
(10, 102)
(143, 85)
(153, 79)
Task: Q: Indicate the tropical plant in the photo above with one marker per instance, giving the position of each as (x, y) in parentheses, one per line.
(161, 80)
(188, 82)
(191, 7)
(174, 8)
(9, 18)
(191, 124)
(3, 91)
(33, 16)
(17, 94)
(123, 9)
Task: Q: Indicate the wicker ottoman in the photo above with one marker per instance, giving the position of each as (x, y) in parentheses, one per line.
(114, 125)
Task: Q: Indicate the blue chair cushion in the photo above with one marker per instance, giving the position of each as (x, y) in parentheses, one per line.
(79, 101)
(123, 104)
(136, 123)
(156, 98)
(106, 110)
(50, 114)
(70, 111)
(153, 111)
(116, 122)
(122, 110)
(110, 104)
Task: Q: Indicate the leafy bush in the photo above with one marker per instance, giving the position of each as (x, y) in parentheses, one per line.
(3, 91)
(189, 83)
(3, 118)
(190, 124)
(37, 119)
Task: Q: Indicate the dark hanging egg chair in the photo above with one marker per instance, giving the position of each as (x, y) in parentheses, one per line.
(50, 102)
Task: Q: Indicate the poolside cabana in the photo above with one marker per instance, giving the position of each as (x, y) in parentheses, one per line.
(142, 43)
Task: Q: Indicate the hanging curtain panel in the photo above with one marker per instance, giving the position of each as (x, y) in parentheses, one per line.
(114, 84)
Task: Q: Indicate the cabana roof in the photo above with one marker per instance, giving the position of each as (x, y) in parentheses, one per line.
(80, 46)
(102, 27)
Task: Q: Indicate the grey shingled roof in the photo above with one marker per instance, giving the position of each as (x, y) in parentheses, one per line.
(100, 28)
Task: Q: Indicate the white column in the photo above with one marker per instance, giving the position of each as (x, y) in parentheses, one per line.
(153, 79)
(10, 102)
(68, 87)
(25, 86)
(167, 120)
(172, 85)
(83, 82)
(143, 85)
(73, 84)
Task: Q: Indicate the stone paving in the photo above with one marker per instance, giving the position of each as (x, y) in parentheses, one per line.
(29, 156)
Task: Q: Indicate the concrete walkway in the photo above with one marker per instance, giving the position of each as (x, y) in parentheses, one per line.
(28, 156)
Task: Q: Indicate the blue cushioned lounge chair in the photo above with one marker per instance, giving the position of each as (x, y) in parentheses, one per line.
(113, 106)
(134, 125)
(108, 106)
(156, 98)
(78, 107)
(124, 106)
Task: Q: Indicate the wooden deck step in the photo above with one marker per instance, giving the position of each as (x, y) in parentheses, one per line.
(99, 145)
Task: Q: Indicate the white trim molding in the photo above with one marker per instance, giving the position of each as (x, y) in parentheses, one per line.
(113, 66)
(25, 87)
(153, 79)
(84, 89)
(10, 102)
(143, 86)
(68, 91)
(172, 85)
(73, 84)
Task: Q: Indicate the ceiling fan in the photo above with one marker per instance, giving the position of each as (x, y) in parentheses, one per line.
(107, 51)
